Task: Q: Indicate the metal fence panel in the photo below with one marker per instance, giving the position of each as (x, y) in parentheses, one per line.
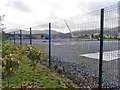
(78, 43)
(110, 47)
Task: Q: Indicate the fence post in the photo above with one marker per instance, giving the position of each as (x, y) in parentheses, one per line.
(14, 37)
(118, 36)
(30, 36)
(101, 48)
(49, 44)
(20, 37)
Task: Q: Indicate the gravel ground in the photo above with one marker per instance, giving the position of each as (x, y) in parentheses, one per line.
(74, 69)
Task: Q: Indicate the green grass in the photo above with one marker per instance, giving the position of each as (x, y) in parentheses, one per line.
(0, 65)
(44, 78)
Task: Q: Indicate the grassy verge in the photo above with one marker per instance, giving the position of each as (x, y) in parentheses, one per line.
(44, 78)
(20, 69)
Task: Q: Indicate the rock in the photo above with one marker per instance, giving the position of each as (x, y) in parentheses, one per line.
(104, 85)
(90, 74)
(79, 78)
(90, 77)
(96, 86)
(60, 70)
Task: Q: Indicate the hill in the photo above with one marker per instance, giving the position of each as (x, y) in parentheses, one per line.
(108, 31)
(85, 33)
(17, 31)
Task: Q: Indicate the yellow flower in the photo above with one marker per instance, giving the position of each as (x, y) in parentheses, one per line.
(18, 61)
(3, 68)
(12, 59)
(11, 69)
(11, 55)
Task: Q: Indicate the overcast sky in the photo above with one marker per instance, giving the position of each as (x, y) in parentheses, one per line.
(27, 13)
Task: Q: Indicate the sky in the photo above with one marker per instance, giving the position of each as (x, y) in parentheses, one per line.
(29, 13)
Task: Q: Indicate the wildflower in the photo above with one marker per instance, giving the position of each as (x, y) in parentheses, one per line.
(12, 59)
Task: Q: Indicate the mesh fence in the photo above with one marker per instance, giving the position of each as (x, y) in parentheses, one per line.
(110, 47)
(75, 44)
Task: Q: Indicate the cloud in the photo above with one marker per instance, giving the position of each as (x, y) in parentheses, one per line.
(14, 25)
(93, 5)
(36, 12)
(54, 7)
(18, 5)
(98, 5)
